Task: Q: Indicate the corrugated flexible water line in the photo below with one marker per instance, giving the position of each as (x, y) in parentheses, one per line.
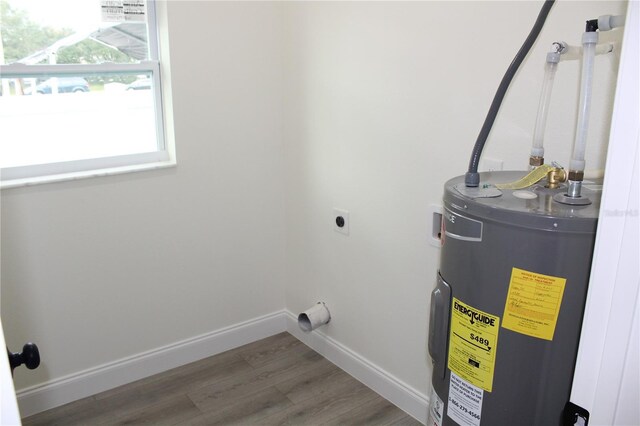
(472, 179)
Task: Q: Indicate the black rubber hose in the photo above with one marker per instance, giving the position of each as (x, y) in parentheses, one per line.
(472, 178)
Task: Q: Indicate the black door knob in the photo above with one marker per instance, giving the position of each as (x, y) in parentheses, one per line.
(30, 357)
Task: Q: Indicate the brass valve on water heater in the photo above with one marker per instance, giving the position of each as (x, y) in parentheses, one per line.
(555, 177)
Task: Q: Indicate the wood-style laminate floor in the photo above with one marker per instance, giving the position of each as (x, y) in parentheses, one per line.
(275, 381)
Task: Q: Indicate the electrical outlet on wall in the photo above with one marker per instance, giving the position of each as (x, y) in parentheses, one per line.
(341, 221)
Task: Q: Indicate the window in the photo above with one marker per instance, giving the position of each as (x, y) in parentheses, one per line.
(80, 88)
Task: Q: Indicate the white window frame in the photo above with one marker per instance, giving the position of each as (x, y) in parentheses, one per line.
(69, 170)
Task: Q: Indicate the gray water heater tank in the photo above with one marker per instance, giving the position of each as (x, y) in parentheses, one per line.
(507, 309)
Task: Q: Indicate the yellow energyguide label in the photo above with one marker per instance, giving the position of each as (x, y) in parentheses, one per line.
(472, 344)
(533, 303)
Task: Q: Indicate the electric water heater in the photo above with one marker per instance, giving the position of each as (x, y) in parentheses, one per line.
(507, 309)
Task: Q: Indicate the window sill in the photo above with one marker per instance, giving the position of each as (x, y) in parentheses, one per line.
(63, 177)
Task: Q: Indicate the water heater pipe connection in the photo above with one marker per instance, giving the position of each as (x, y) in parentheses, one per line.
(577, 163)
(560, 51)
(537, 148)
(472, 177)
(555, 177)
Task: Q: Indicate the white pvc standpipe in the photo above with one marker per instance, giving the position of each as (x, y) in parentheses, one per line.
(589, 41)
(314, 317)
(537, 148)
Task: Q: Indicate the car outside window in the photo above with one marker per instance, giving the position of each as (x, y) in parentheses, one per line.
(80, 88)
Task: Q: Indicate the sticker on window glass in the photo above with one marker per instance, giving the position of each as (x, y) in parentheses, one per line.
(123, 10)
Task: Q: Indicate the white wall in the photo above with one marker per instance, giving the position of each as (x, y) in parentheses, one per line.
(282, 112)
(101, 269)
(383, 102)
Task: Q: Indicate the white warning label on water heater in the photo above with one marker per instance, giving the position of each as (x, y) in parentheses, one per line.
(436, 408)
(465, 402)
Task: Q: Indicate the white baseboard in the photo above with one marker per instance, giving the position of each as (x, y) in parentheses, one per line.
(61, 391)
(411, 401)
